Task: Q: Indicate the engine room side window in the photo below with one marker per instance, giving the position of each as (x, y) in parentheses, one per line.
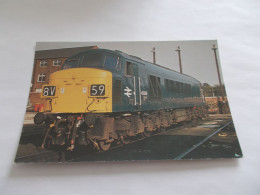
(187, 90)
(195, 91)
(169, 85)
(128, 69)
(178, 89)
(111, 62)
(181, 85)
(154, 87)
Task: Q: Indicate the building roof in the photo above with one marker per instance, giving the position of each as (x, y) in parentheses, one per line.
(58, 53)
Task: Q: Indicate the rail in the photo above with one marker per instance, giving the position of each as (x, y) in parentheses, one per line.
(29, 130)
(179, 157)
(45, 156)
(51, 156)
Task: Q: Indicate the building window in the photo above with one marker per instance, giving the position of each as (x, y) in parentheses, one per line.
(38, 90)
(56, 62)
(41, 77)
(43, 63)
(128, 69)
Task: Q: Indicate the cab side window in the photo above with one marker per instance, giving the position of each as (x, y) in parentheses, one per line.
(111, 62)
(128, 69)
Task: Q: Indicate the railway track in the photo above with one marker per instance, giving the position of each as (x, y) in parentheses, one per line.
(29, 130)
(118, 146)
(179, 157)
(81, 156)
(133, 145)
(43, 156)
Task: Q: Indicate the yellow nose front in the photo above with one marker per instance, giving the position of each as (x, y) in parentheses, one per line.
(81, 90)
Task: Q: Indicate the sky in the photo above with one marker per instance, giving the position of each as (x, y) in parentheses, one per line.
(197, 57)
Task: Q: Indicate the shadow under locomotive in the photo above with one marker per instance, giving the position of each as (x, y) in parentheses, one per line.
(164, 146)
(161, 145)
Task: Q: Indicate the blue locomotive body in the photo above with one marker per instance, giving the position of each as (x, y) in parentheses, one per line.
(107, 96)
(143, 86)
(139, 85)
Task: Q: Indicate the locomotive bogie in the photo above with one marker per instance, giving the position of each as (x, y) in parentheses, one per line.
(101, 130)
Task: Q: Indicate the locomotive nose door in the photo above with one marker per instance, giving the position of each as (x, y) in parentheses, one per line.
(137, 88)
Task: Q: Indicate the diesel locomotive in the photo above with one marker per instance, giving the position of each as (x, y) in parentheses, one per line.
(102, 96)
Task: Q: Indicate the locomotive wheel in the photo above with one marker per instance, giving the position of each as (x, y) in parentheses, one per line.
(124, 140)
(103, 145)
(162, 129)
(146, 133)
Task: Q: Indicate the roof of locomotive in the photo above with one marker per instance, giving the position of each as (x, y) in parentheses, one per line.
(140, 61)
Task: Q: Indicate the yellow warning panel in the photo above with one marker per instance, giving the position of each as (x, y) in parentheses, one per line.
(79, 90)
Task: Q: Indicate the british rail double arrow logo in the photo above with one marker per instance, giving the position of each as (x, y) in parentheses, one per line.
(128, 92)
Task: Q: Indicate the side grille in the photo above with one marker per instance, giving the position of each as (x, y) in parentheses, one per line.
(117, 91)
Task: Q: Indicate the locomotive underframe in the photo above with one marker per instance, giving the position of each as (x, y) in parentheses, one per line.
(103, 129)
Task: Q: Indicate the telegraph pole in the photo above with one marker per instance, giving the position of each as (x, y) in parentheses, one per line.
(179, 54)
(153, 51)
(219, 78)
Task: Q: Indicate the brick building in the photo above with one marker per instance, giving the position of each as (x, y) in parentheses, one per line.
(45, 63)
(215, 105)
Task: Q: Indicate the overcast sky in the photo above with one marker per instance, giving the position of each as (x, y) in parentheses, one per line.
(197, 56)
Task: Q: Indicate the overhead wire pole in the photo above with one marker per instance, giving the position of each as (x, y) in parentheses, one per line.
(179, 54)
(219, 78)
(153, 51)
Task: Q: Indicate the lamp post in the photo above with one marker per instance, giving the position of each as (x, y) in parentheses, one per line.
(179, 54)
(153, 51)
(219, 78)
